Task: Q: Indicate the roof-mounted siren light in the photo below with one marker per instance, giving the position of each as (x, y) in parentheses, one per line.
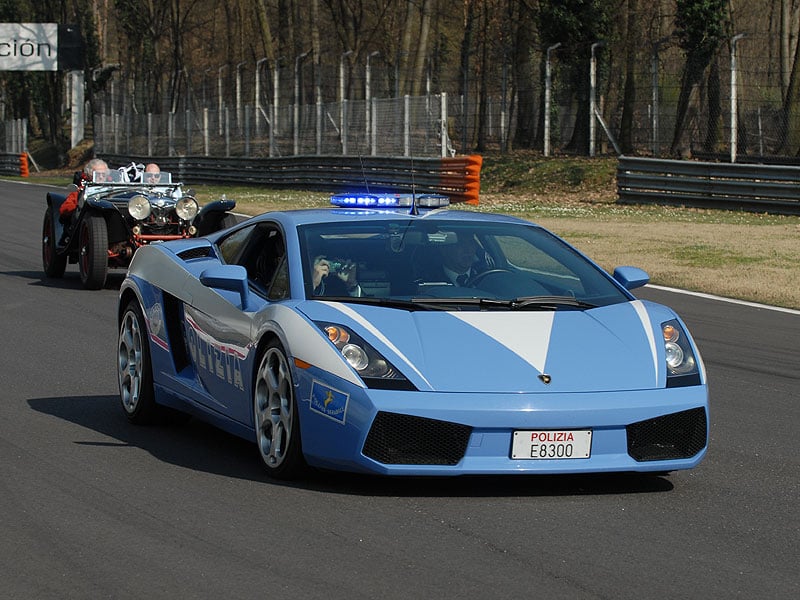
(389, 200)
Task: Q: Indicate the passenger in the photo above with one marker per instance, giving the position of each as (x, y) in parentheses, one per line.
(344, 283)
(95, 166)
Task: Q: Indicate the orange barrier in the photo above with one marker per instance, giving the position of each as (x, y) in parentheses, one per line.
(461, 177)
(23, 164)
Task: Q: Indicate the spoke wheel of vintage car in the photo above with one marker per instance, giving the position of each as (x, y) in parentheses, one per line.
(54, 264)
(93, 252)
(134, 368)
(276, 419)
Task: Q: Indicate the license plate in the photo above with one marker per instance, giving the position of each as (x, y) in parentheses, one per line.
(551, 444)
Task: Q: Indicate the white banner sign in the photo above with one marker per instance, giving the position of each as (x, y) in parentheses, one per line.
(28, 47)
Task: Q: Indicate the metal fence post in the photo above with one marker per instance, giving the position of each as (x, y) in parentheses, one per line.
(734, 104)
(205, 133)
(592, 101)
(547, 96)
(149, 134)
(406, 125)
(443, 132)
(170, 133)
(247, 130)
(343, 127)
(188, 115)
(374, 133)
(227, 133)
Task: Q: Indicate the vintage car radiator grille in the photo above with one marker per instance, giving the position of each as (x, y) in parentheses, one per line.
(679, 435)
(407, 440)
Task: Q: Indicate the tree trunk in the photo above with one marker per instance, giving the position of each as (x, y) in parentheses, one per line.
(266, 32)
(629, 92)
(523, 78)
(714, 109)
(422, 48)
(466, 51)
(791, 108)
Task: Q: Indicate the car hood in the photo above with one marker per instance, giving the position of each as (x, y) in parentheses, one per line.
(603, 349)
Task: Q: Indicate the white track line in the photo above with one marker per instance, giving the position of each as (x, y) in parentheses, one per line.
(790, 311)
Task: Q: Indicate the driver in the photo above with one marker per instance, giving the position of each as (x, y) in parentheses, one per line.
(459, 261)
(152, 174)
(95, 166)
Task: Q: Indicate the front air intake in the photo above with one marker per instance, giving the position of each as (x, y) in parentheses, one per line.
(407, 440)
(679, 435)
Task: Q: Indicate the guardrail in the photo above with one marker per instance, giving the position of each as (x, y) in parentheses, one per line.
(767, 188)
(457, 177)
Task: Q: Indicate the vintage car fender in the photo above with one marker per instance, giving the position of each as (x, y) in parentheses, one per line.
(215, 216)
(118, 229)
(54, 202)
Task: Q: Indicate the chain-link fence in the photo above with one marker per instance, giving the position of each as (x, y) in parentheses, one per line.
(250, 110)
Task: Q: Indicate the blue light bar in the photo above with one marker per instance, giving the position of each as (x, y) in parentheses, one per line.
(389, 200)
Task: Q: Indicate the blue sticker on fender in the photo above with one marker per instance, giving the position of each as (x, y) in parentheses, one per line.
(328, 401)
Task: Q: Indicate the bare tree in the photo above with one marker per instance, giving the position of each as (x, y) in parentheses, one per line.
(701, 26)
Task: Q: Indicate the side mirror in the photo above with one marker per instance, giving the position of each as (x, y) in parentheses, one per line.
(631, 277)
(230, 278)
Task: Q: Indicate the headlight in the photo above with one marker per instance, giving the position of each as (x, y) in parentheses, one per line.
(139, 208)
(186, 208)
(374, 369)
(682, 366)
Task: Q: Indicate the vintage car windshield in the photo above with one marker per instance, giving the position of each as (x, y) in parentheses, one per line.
(121, 176)
(506, 265)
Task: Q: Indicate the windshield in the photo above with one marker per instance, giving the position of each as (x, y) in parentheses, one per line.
(450, 264)
(123, 176)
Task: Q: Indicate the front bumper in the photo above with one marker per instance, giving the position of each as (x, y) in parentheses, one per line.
(428, 433)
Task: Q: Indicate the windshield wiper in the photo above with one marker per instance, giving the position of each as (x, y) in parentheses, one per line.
(549, 302)
(521, 303)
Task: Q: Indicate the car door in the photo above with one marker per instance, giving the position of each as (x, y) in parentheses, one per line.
(218, 329)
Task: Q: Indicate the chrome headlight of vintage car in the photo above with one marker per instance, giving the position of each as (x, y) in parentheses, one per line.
(372, 367)
(139, 207)
(186, 208)
(682, 366)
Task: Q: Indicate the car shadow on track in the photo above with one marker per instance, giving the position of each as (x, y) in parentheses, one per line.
(201, 447)
(70, 280)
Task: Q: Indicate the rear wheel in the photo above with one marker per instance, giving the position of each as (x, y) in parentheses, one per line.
(134, 369)
(53, 263)
(93, 252)
(276, 420)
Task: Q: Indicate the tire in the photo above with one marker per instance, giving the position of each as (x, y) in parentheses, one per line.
(134, 369)
(93, 252)
(54, 264)
(277, 424)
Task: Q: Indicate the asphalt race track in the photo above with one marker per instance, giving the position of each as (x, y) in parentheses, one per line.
(92, 507)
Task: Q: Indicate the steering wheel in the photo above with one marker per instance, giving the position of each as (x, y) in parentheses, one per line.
(481, 276)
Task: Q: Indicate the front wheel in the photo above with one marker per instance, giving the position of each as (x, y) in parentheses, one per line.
(54, 264)
(93, 252)
(134, 370)
(276, 421)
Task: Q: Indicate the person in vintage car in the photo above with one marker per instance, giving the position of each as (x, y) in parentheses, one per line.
(152, 174)
(113, 212)
(547, 364)
(94, 170)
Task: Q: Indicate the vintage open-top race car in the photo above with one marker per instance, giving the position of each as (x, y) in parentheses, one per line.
(118, 212)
